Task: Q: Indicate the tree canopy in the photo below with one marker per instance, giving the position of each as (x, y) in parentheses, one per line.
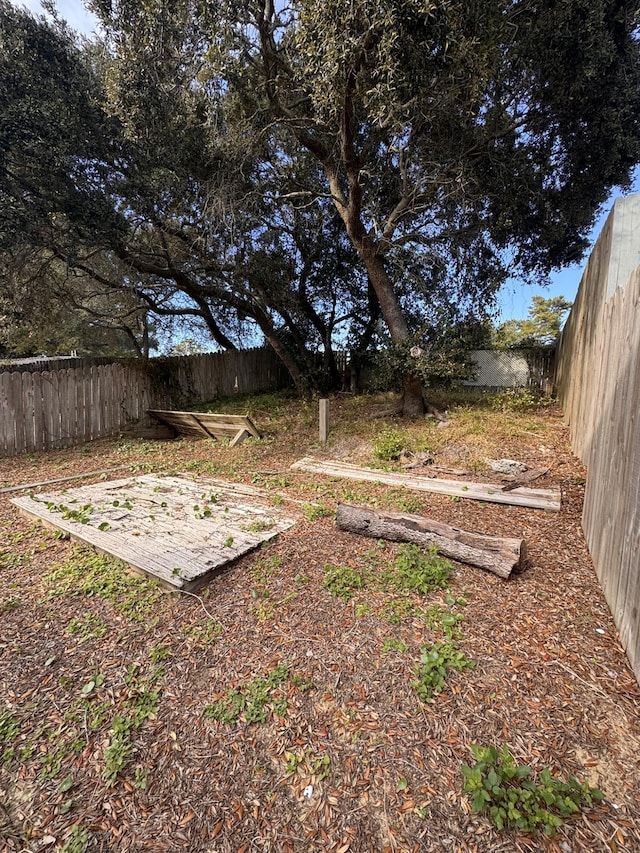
(310, 169)
(541, 328)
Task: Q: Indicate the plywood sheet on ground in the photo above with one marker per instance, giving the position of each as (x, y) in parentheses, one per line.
(176, 529)
(548, 499)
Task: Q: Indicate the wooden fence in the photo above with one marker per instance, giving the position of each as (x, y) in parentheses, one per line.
(42, 409)
(598, 379)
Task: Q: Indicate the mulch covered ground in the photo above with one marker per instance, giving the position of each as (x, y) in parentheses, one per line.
(118, 728)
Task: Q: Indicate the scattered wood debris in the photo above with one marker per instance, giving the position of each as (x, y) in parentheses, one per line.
(547, 499)
(208, 424)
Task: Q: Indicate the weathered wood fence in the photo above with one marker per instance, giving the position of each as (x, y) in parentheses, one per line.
(598, 378)
(42, 409)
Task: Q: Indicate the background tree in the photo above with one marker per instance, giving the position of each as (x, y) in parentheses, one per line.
(541, 328)
(481, 138)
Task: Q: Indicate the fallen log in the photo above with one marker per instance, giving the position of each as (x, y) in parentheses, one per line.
(492, 553)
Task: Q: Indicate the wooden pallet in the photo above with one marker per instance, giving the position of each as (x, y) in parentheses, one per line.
(179, 530)
(235, 427)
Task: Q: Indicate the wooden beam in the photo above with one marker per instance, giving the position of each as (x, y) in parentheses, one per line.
(30, 486)
(324, 420)
(547, 499)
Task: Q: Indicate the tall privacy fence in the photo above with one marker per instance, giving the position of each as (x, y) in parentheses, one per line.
(598, 378)
(42, 408)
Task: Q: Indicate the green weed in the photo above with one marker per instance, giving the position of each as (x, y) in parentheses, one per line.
(511, 797)
(256, 700)
(204, 633)
(87, 627)
(391, 644)
(9, 732)
(389, 445)
(415, 570)
(434, 666)
(87, 573)
(442, 619)
(313, 765)
(519, 400)
(397, 610)
(343, 581)
(76, 841)
(312, 512)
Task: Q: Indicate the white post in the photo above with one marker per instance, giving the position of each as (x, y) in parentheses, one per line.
(324, 420)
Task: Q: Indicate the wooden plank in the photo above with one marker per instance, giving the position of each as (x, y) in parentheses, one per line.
(28, 411)
(17, 406)
(38, 412)
(240, 436)
(174, 529)
(323, 416)
(7, 415)
(547, 499)
(206, 423)
(32, 486)
(47, 406)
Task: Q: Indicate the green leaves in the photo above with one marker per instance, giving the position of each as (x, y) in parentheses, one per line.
(256, 699)
(510, 796)
(435, 663)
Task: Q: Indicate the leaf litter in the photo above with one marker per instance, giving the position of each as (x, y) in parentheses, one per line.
(347, 758)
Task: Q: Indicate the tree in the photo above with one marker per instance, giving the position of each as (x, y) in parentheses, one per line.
(479, 137)
(124, 227)
(541, 328)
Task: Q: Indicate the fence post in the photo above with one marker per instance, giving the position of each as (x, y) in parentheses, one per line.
(324, 420)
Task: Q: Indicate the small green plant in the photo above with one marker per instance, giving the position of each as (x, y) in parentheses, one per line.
(312, 512)
(343, 581)
(397, 610)
(87, 627)
(90, 574)
(9, 731)
(415, 570)
(260, 526)
(316, 765)
(512, 798)
(116, 754)
(445, 620)
(158, 654)
(392, 644)
(80, 514)
(256, 700)
(434, 666)
(389, 445)
(519, 400)
(204, 633)
(141, 779)
(76, 841)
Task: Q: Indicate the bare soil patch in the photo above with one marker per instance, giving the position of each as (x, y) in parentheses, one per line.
(118, 701)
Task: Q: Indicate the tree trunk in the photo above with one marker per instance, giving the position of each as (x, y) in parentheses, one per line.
(413, 405)
(492, 553)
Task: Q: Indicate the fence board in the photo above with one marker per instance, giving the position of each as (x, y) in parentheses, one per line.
(16, 402)
(598, 378)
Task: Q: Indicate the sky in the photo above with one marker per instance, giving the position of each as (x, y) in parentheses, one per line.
(514, 298)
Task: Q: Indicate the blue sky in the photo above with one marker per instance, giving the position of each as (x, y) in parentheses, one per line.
(514, 299)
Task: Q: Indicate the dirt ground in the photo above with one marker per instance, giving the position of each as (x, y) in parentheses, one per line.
(268, 714)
